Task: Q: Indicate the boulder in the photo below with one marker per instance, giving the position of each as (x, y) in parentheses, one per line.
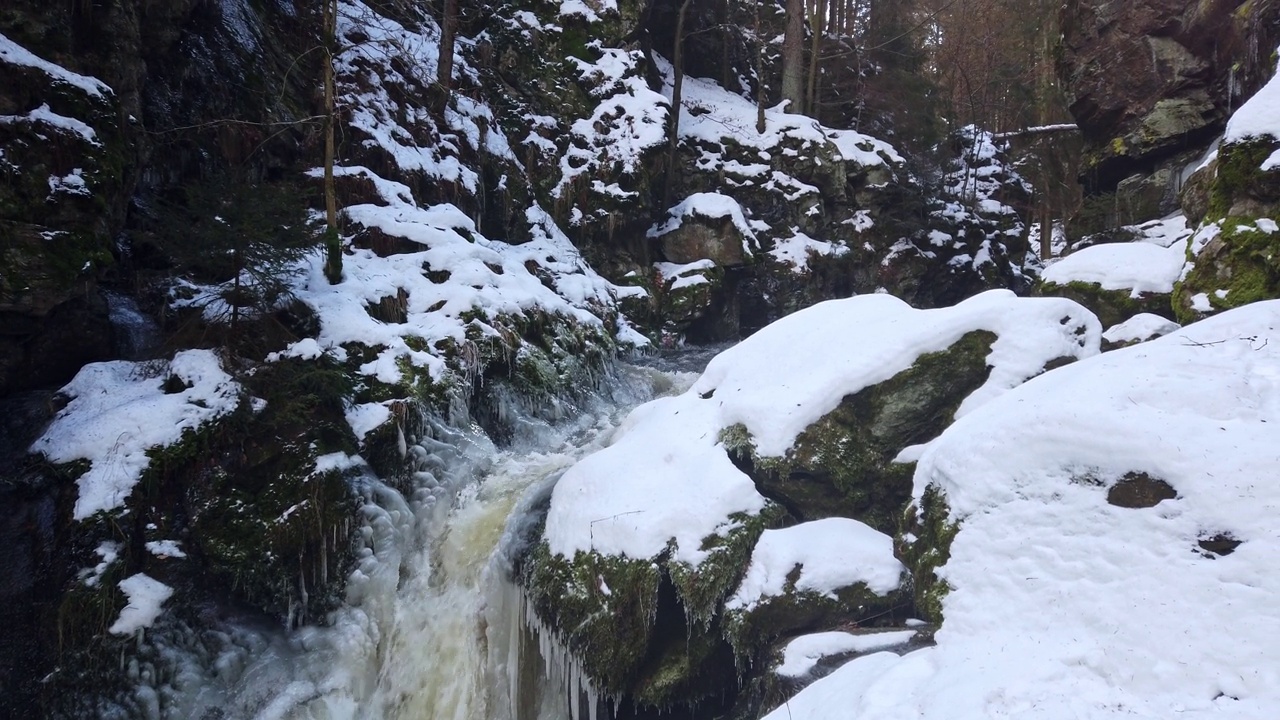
(1151, 79)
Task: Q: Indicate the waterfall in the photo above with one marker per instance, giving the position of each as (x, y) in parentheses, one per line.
(432, 627)
(135, 334)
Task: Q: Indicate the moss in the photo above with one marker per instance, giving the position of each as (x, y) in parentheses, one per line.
(1242, 262)
(1111, 306)
(704, 587)
(1240, 176)
(924, 545)
(842, 464)
(603, 607)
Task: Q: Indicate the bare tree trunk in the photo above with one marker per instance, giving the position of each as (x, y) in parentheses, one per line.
(760, 93)
(793, 57)
(333, 243)
(673, 128)
(817, 24)
(725, 35)
(448, 28)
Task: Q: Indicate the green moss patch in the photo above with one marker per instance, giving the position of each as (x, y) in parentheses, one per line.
(842, 464)
(924, 545)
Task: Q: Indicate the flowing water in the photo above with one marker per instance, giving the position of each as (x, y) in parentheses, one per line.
(432, 628)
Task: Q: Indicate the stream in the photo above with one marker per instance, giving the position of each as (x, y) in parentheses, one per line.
(432, 627)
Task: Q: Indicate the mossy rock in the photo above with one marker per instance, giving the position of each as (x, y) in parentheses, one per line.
(604, 609)
(924, 545)
(842, 465)
(1239, 266)
(751, 630)
(1111, 306)
(1241, 188)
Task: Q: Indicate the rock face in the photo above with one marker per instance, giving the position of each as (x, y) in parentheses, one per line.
(1151, 82)
(771, 499)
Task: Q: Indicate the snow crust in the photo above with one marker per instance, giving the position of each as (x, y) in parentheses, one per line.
(1139, 328)
(708, 205)
(802, 654)
(797, 249)
(832, 553)
(667, 478)
(146, 596)
(1065, 606)
(119, 410)
(1137, 267)
(789, 374)
(14, 54)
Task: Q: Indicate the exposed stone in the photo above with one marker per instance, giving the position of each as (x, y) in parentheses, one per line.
(1140, 490)
(701, 238)
(1149, 79)
(1218, 545)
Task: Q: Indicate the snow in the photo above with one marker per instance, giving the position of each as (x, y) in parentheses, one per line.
(364, 418)
(832, 553)
(666, 477)
(119, 410)
(1065, 606)
(108, 551)
(165, 548)
(1140, 328)
(629, 121)
(1138, 267)
(1258, 117)
(70, 184)
(43, 115)
(797, 249)
(146, 595)
(788, 375)
(708, 205)
(863, 149)
(14, 54)
(802, 654)
(382, 60)
(483, 275)
(663, 479)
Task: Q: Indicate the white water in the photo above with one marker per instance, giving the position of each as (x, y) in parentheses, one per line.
(432, 629)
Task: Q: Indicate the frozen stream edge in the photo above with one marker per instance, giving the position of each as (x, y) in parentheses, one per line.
(431, 628)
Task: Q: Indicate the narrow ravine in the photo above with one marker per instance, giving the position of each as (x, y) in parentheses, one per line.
(433, 627)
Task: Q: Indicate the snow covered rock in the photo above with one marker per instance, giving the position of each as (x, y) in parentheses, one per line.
(1139, 328)
(686, 494)
(1118, 280)
(120, 411)
(815, 574)
(706, 226)
(1234, 259)
(1064, 596)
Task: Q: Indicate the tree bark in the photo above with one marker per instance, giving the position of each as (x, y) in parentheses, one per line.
(793, 57)
(673, 128)
(760, 89)
(448, 29)
(333, 243)
(817, 24)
